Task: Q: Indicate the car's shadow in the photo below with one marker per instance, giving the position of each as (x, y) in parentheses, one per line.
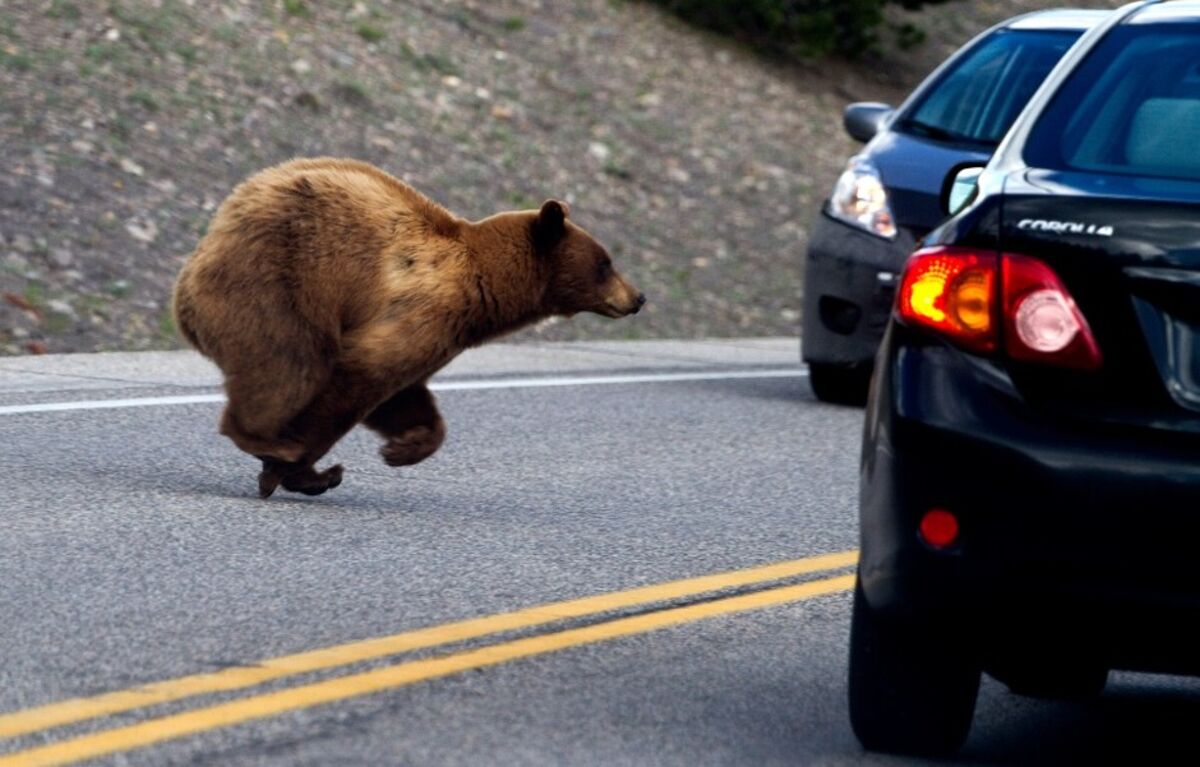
(788, 389)
(1138, 720)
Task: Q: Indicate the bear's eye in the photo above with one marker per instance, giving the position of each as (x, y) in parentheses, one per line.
(603, 270)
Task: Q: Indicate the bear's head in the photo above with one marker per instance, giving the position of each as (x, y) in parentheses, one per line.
(582, 276)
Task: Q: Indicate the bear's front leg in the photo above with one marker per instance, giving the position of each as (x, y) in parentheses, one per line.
(412, 425)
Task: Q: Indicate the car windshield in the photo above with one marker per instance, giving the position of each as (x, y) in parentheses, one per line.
(1131, 108)
(978, 99)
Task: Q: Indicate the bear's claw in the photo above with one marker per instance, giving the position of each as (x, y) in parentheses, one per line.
(267, 482)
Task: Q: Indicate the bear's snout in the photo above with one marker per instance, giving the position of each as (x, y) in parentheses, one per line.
(624, 301)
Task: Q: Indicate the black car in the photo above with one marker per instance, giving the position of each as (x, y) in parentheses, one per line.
(887, 199)
(1030, 477)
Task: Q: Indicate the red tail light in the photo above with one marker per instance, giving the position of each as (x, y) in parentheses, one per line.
(1041, 321)
(973, 297)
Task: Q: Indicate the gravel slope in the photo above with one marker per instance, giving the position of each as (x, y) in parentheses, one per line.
(125, 122)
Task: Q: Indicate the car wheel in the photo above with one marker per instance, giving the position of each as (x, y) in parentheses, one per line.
(912, 685)
(1055, 681)
(840, 384)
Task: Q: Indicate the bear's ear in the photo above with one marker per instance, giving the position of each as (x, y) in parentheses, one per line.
(554, 209)
(550, 224)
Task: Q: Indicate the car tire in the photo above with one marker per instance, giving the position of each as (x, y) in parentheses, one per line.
(840, 384)
(912, 684)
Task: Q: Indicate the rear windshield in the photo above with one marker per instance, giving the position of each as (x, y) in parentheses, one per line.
(1131, 108)
(978, 99)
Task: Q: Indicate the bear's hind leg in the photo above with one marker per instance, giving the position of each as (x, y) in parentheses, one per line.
(296, 478)
(259, 447)
(343, 402)
(259, 409)
(412, 425)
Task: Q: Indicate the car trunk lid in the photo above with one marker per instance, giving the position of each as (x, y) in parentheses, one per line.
(1128, 250)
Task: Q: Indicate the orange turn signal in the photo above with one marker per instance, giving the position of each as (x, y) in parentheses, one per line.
(952, 291)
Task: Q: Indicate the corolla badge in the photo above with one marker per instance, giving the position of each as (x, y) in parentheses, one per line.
(1064, 227)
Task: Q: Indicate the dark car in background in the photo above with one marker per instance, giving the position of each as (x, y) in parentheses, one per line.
(887, 199)
(1030, 477)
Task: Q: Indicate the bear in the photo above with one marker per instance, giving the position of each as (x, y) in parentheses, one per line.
(328, 291)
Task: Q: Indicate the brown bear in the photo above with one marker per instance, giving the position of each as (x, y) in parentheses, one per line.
(328, 292)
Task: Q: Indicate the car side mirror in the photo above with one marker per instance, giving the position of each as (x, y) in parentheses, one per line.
(960, 188)
(864, 119)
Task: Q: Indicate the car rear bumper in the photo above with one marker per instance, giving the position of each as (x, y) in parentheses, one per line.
(849, 283)
(1067, 530)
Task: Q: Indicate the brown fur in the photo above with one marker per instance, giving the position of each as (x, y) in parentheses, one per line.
(328, 292)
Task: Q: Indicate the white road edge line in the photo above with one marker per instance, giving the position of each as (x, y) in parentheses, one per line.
(497, 383)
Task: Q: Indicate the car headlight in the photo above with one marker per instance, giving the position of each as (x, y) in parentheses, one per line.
(860, 199)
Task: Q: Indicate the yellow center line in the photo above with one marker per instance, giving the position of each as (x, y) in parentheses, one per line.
(270, 704)
(79, 709)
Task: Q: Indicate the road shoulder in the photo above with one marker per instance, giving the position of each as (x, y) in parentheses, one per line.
(128, 372)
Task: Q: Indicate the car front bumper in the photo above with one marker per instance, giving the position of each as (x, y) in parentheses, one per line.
(1082, 534)
(849, 284)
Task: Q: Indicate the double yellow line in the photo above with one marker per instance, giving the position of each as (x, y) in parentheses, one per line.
(218, 715)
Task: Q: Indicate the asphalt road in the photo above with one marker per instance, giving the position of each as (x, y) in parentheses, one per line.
(134, 551)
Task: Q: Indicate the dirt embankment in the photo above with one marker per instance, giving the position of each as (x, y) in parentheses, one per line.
(123, 123)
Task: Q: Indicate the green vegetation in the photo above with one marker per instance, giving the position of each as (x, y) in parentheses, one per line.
(166, 326)
(440, 64)
(679, 288)
(186, 51)
(145, 100)
(54, 323)
(117, 288)
(297, 8)
(352, 92)
(16, 61)
(94, 304)
(523, 201)
(106, 53)
(804, 28)
(35, 294)
(616, 170)
(65, 10)
(428, 61)
(370, 33)
(155, 27)
(229, 34)
(514, 23)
